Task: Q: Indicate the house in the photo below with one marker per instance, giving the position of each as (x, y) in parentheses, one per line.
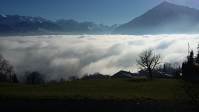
(124, 74)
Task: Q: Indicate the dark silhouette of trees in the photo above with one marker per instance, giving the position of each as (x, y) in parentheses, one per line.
(71, 78)
(34, 78)
(197, 56)
(148, 60)
(7, 73)
(190, 68)
(190, 73)
(15, 79)
(191, 57)
(171, 69)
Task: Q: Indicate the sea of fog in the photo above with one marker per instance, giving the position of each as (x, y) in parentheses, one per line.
(62, 56)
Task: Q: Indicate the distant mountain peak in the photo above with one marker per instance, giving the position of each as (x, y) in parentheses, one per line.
(163, 19)
(166, 3)
(169, 5)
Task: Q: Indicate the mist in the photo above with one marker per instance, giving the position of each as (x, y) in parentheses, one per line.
(62, 56)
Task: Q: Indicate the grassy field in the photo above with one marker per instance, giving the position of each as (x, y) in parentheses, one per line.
(111, 89)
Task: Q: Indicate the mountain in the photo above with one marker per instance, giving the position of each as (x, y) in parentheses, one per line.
(15, 24)
(166, 18)
(26, 25)
(74, 27)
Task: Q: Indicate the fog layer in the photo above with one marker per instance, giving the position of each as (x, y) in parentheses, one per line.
(76, 55)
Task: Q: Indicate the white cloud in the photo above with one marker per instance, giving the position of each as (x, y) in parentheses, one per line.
(66, 55)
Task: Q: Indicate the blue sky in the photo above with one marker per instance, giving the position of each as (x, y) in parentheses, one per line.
(99, 11)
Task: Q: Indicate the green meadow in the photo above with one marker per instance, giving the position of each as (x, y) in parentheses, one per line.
(111, 89)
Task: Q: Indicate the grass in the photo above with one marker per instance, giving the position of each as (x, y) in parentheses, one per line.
(111, 89)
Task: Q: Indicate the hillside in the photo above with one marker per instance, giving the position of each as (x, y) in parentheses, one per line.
(166, 18)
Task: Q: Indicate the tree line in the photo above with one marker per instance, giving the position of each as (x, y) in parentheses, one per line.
(148, 61)
(190, 68)
(8, 74)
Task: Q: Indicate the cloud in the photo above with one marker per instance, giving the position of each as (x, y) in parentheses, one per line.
(69, 55)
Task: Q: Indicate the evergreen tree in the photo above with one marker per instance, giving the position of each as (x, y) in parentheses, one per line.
(191, 57)
(190, 69)
(197, 57)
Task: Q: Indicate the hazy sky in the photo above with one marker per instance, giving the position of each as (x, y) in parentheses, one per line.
(100, 11)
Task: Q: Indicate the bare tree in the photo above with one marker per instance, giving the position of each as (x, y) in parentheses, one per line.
(6, 71)
(148, 60)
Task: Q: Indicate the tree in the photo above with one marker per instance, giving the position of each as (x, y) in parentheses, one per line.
(197, 57)
(173, 69)
(7, 73)
(148, 60)
(190, 68)
(15, 79)
(190, 58)
(34, 78)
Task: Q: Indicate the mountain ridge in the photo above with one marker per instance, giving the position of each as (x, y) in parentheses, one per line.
(27, 25)
(163, 18)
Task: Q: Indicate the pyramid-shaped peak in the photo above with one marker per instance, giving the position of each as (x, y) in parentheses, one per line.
(170, 6)
(166, 3)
